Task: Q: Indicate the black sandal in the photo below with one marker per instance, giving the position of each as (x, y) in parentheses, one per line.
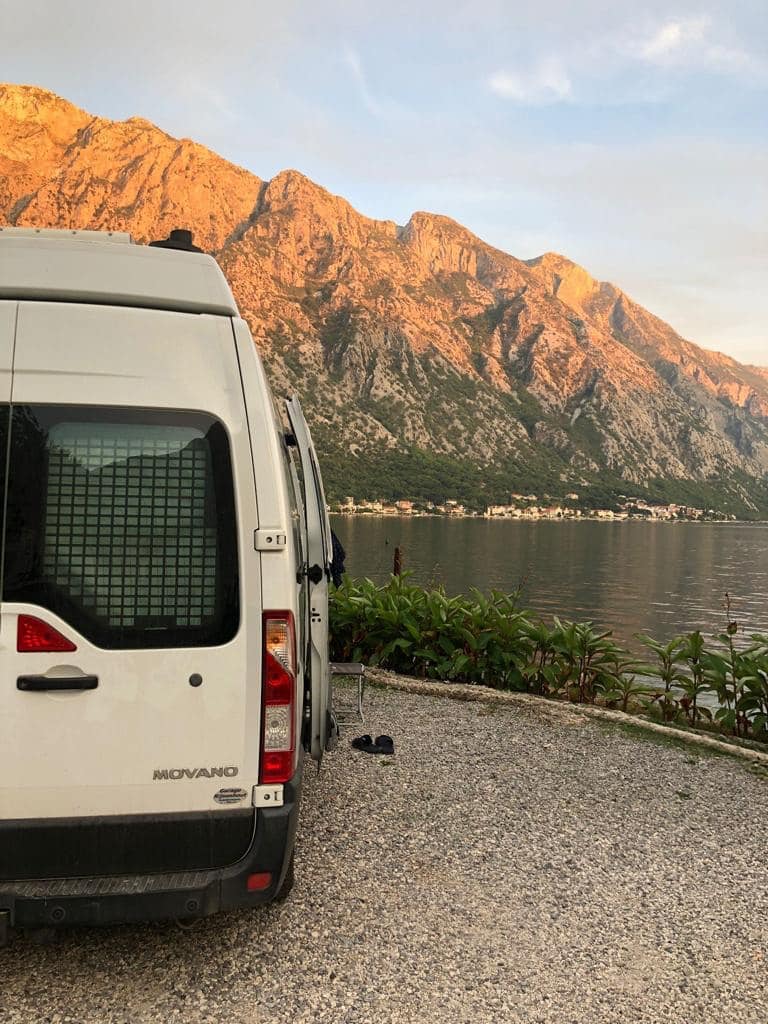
(385, 744)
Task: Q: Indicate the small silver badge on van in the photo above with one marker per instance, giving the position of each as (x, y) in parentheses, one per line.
(230, 796)
(195, 773)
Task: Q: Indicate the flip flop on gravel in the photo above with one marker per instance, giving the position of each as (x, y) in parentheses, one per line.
(363, 742)
(385, 744)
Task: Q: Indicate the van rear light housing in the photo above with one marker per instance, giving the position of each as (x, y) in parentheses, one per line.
(33, 636)
(278, 711)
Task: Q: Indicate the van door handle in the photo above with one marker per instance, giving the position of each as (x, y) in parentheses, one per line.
(40, 683)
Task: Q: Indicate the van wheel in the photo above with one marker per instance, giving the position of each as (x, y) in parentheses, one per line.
(288, 881)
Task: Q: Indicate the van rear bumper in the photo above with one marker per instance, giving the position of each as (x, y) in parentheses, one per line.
(60, 902)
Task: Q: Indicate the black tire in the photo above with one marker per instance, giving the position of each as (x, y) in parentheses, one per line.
(290, 878)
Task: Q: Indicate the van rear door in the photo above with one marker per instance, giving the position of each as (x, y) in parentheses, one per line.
(318, 556)
(130, 524)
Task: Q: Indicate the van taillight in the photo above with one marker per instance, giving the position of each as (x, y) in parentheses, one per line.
(278, 744)
(35, 636)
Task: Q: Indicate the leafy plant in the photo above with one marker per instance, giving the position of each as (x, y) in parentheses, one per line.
(669, 657)
(589, 659)
(626, 692)
(694, 684)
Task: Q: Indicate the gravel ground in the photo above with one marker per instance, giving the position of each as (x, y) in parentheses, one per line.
(516, 864)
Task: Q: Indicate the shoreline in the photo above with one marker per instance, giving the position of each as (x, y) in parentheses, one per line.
(611, 521)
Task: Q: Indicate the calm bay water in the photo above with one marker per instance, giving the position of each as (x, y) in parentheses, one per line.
(661, 578)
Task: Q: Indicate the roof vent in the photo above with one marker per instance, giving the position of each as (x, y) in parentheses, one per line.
(179, 238)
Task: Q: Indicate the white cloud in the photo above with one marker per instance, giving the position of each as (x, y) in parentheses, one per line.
(580, 69)
(383, 109)
(693, 43)
(355, 65)
(547, 82)
(675, 36)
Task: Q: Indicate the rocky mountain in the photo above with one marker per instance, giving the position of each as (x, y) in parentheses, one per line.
(431, 363)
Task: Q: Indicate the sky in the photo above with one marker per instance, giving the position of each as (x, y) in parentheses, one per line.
(632, 138)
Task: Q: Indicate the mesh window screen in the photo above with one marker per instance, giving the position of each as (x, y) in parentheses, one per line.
(122, 522)
(125, 526)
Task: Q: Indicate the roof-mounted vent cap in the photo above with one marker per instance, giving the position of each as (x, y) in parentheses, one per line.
(179, 238)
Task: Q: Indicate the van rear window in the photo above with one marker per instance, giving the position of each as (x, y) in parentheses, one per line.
(122, 521)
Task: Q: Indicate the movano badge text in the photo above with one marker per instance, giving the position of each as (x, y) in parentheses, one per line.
(195, 773)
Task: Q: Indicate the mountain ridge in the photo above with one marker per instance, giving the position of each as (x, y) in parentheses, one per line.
(429, 360)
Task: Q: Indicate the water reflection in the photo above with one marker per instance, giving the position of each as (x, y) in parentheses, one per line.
(633, 577)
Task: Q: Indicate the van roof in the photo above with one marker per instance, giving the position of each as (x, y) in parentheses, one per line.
(108, 268)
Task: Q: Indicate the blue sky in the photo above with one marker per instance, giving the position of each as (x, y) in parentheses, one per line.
(633, 139)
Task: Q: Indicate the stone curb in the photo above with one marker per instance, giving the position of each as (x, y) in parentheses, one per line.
(486, 695)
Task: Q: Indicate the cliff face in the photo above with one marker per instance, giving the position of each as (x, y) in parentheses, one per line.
(418, 350)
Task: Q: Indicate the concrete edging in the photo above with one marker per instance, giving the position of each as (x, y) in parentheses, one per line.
(486, 695)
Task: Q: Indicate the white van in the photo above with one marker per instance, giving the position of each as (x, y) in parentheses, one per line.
(164, 639)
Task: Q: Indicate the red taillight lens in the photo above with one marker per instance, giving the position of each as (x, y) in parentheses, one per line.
(276, 765)
(35, 636)
(259, 881)
(278, 744)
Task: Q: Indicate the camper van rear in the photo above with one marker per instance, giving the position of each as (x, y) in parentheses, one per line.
(164, 590)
